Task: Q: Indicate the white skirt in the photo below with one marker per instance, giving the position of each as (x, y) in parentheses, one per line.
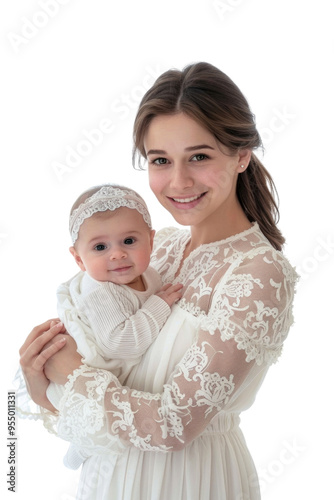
(215, 466)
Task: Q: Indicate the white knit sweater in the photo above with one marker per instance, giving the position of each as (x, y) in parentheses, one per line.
(113, 325)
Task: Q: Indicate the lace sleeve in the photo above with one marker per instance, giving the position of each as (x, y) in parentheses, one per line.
(199, 388)
(253, 305)
(245, 328)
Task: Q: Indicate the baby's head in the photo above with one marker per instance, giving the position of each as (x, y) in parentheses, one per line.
(112, 234)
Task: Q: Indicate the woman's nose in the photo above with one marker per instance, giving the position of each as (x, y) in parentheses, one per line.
(181, 177)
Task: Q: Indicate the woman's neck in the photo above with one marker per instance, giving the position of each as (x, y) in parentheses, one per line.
(217, 230)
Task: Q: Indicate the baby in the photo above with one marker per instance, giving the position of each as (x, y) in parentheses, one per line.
(115, 306)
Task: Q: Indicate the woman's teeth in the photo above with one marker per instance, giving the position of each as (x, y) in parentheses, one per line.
(187, 200)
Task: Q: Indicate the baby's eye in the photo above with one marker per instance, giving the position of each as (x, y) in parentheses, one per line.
(199, 157)
(100, 247)
(129, 241)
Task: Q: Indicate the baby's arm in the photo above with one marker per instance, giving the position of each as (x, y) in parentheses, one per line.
(121, 331)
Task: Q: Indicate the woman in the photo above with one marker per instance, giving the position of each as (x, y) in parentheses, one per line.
(177, 413)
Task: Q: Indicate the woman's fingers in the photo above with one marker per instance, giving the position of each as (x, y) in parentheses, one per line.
(35, 353)
(36, 332)
(49, 351)
(32, 348)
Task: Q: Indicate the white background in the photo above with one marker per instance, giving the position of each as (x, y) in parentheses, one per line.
(67, 68)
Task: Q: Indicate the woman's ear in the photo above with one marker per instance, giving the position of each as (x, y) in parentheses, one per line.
(244, 159)
(77, 258)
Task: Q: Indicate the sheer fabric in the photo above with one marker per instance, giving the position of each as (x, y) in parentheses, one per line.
(177, 414)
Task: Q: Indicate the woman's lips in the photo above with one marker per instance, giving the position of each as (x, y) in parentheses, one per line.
(186, 202)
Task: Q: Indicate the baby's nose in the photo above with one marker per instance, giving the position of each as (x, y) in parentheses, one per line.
(117, 253)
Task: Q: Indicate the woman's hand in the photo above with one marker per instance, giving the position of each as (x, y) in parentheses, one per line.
(33, 356)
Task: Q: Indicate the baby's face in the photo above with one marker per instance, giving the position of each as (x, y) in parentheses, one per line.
(115, 246)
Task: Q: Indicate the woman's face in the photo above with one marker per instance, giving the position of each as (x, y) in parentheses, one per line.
(192, 175)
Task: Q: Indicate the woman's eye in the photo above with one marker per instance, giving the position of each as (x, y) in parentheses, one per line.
(100, 247)
(199, 157)
(160, 161)
(129, 241)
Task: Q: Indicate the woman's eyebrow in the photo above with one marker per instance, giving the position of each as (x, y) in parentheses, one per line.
(156, 152)
(199, 146)
(190, 148)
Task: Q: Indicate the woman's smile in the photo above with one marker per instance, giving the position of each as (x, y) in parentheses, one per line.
(186, 202)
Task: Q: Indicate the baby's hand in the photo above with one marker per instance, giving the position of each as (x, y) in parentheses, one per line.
(170, 293)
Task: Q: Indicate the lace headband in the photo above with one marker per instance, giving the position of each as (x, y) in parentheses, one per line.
(107, 198)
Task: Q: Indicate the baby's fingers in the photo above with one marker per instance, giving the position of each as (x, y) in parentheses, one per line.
(165, 287)
(172, 289)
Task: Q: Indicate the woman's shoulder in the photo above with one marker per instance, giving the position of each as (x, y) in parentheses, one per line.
(243, 257)
(253, 272)
(261, 252)
(253, 254)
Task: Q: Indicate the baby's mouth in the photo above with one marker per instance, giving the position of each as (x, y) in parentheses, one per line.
(120, 269)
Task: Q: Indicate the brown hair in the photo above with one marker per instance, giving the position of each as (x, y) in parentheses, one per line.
(210, 97)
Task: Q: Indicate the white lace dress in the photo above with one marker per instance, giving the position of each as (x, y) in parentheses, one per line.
(178, 411)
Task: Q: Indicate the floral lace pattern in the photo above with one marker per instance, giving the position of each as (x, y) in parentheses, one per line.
(240, 292)
(87, 414)
(27, 409)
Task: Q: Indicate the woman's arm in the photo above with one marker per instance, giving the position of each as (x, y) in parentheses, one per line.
(200, 387)
(96, 406)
